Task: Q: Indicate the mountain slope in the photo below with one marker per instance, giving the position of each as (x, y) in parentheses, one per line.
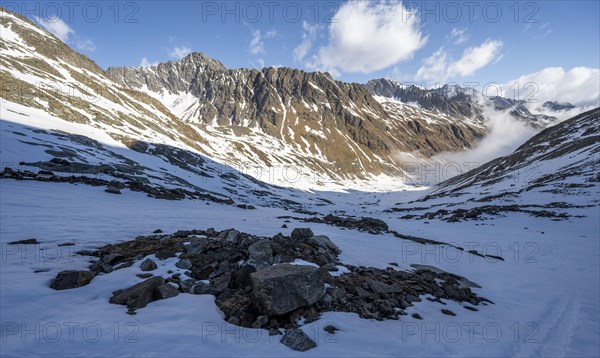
(299, 124)
(309, 115)
(60, 112)
(458, 101)
(557, 168)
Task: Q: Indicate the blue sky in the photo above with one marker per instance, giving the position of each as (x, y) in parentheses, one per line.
(448, 42)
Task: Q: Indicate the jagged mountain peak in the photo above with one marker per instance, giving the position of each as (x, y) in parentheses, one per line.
(558, 106)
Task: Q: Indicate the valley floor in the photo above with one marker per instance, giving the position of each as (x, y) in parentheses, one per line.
(546, 291)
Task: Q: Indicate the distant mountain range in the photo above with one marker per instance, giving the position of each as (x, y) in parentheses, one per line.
(248, 118)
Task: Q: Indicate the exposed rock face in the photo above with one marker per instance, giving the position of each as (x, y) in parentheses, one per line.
(459, 101)
(283, 288)
(447, 99)
(71, 279)
(557, 106)
(320, 119)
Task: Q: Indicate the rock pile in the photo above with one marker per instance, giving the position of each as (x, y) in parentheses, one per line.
(113, 187)
(271, 283)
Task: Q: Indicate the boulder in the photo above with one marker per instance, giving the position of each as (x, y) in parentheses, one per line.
(301, 233)
(283, 288)
(72, 279)
(261, 251)
(196, 246)
(242, 278)
(148, 265)
(138, 295)
(297, 340)
(112, 189)
(229, 235)
(222, 282)
(165, 291)
(324, 242)
(184, 264)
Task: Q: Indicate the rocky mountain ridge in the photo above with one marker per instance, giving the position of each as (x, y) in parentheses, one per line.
(315, 115)
(456, 100)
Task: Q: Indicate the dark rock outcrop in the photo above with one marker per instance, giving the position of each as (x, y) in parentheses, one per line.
(280, 289)
(72, 279)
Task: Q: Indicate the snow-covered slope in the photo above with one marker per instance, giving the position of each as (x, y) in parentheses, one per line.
(556, 170)
(562, 161)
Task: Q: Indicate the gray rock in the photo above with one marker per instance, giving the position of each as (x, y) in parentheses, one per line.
(229, 235)
(138, 295)
(242, 278)
(148, 265)
(196, 246)
(324, 242)
(331, 329)
(297, 340)
(72, 279)
(261, 251)
(165, 291)
(234, 320)
(283, 288)
(184, 264)
(112, 259)
(301, 233)
(260, 322)
(112, 189)
(24, 242)
(222, 282)
(186, 285)
(380, 287)
(200, 288)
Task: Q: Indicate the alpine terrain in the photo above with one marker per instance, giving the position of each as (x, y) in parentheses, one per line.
(189, 208)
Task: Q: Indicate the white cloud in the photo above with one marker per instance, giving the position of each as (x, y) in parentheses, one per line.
(179, 52)
(505, 135)
(85, 44)
(459, 35)
(367, 37)
(146, 63)
(257, 46)
(439, 68)
(309, 35)
(579, 86)
(475, 58)
(65, 33)
(271, 34)
(56, 27)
